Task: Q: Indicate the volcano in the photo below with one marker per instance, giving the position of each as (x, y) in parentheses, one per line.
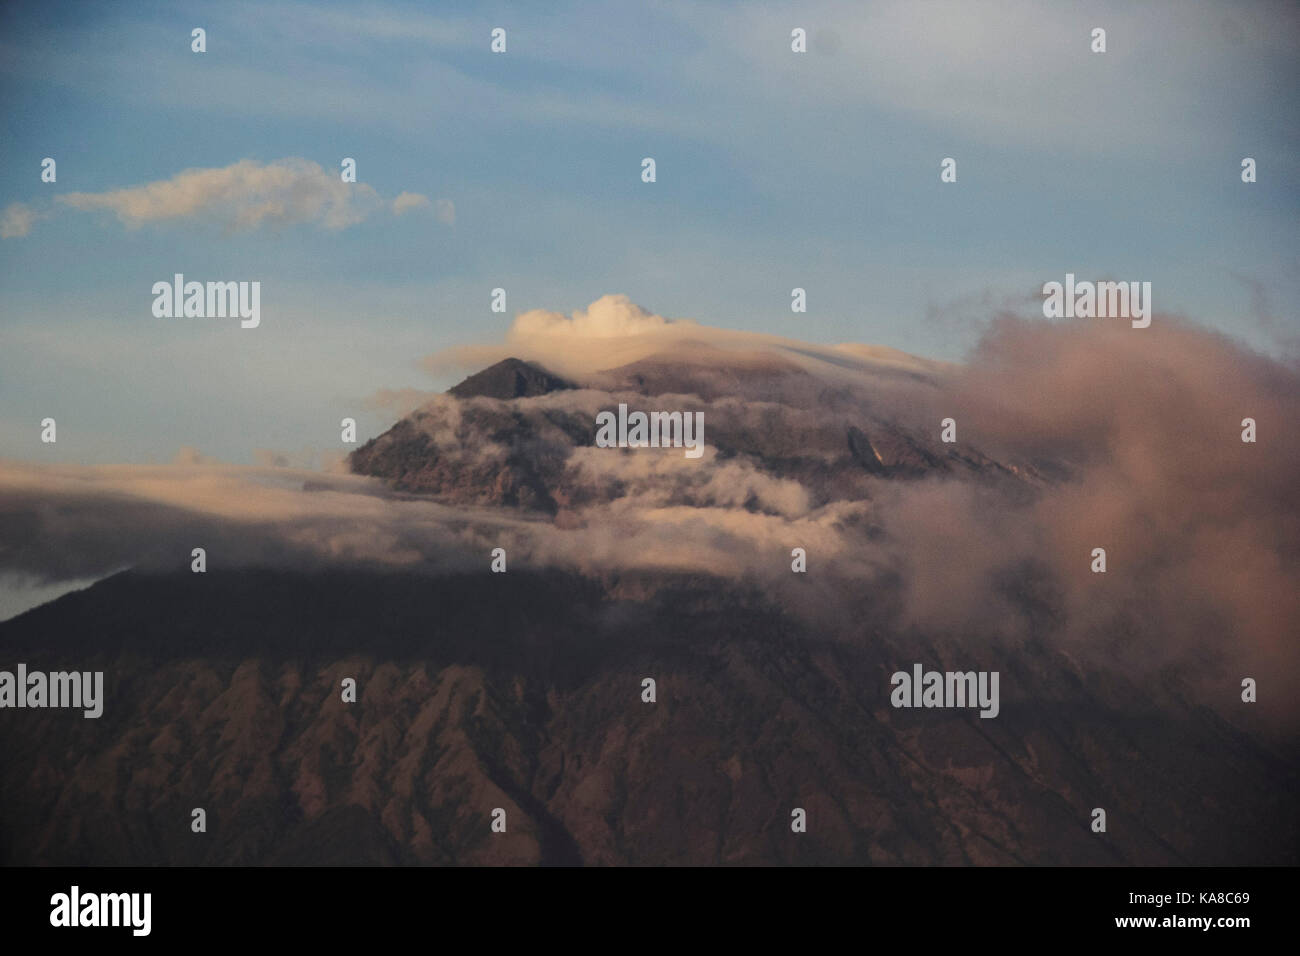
(524, 691)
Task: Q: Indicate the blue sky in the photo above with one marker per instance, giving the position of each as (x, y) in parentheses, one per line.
(775, 170)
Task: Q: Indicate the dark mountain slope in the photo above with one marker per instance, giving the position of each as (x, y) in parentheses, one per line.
(522, 691)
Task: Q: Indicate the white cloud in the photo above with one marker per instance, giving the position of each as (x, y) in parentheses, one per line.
(244, 196)
(615, 331)
(405, 202)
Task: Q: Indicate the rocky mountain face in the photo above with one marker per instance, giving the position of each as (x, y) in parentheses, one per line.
(523, 691)
(507, 435)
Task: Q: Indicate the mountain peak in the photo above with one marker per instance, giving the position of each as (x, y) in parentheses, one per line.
(510, 378)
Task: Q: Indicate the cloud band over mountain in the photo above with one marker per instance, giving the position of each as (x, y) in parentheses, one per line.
(1071, 436)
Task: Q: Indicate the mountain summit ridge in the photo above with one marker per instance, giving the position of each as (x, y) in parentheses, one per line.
(510, 378)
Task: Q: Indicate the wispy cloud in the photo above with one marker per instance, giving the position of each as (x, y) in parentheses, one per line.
(241, 197)
(17, 219)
